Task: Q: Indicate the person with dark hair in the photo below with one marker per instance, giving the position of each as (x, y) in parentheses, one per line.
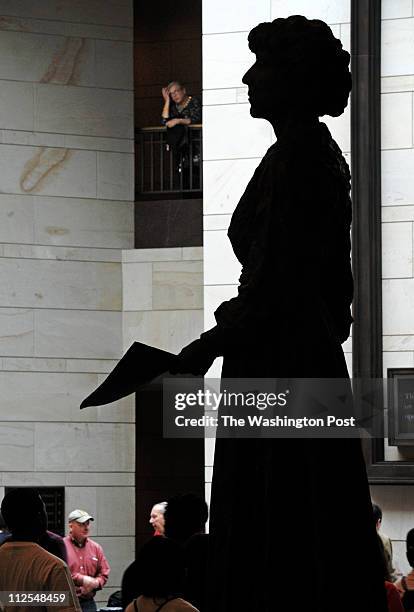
(24, 565)
(185, 516)
(291, 233)
(386, 541)
(160, 570)
(406, 584)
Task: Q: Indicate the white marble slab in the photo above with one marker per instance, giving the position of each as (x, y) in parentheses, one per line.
(226, 58)
(220, 264)
(393, 9)
(77, 333)
(97, 143)
(84, 110)
(45, 139)
(121, 411)
(216, 222)
(192, 253)
(120, 552)
(398, 305)
(99, 479)
(46, 396)
(397, 213)
(16, 218)
(16, 105)
(49, 171)
(33, 251)
(60, 284)
(209, 445)
(115, 176)
(104, 447)
(16, 331)
(113, 64)
(16, 446)
(331, 11)
(62, 28)
(115, 511)
(397, 47)
(231, 133)
(398, 343)
(393, 84)
(403, 359)
(397, 250)
(137, 287)
(228, 17)
(150, 255)
(112, 12)
(33, 479)
(214, 295)
(224, 182)
(340, 128)
(83, 222)
(208, 474)
(397, 172)
(230, 95)
(169, 329)
(43, 58)
(177, 285)
(90, 365)
(35, 139)
(33, 364)
(396, 120)
(344, 35)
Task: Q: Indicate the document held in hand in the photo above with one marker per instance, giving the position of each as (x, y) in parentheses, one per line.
(139, 366)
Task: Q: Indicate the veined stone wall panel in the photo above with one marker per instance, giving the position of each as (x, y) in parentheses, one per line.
(66, 213)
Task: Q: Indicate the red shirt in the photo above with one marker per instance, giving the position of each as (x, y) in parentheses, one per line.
(86, 560)
(393, 598)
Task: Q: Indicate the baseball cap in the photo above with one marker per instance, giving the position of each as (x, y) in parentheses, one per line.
(80, 516)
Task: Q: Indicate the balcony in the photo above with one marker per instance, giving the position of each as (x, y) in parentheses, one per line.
(163, 172)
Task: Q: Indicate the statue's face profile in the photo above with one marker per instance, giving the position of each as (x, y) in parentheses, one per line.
(265, 90)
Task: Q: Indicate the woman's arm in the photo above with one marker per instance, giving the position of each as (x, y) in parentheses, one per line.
(166, 108)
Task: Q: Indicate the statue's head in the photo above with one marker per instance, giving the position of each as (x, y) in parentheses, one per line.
(300, 66)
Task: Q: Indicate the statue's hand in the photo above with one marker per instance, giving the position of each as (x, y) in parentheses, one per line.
(195, 358)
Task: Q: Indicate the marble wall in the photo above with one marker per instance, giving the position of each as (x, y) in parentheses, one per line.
(66, 213)
(397, 144)
(234, 143)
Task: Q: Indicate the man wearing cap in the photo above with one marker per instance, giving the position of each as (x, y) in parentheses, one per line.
(86, 560)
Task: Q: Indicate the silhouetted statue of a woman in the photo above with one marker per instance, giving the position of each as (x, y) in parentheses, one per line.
(281, 507)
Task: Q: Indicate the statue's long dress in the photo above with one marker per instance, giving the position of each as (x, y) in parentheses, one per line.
(291, 521)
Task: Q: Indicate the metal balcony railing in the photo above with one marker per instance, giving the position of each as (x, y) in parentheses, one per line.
(164, 170)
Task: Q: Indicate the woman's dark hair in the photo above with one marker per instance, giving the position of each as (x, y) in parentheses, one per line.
(377, 512)
(410, 547)
(311, 62)
(185, 515)
(23, 511)
(161, 568)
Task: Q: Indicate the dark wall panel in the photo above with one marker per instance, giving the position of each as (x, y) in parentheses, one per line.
(168, 223)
